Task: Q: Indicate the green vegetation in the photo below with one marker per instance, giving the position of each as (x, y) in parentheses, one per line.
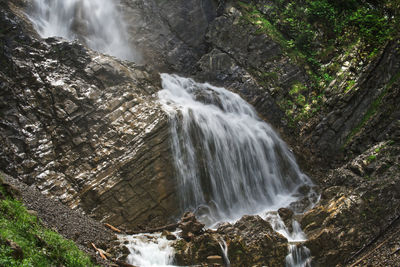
(37, 245)
(311, 30)
(316, 33)
(371, 158)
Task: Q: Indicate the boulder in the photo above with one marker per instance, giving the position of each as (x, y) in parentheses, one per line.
(168, 235)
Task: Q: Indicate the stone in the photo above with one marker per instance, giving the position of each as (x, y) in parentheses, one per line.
(70, 107)
(190, 226)
(285, 214)
(168, 235)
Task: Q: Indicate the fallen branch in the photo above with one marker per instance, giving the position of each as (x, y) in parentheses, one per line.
(112, 228)
(169, 227)
(99, 251)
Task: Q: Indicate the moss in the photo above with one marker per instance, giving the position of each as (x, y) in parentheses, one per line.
(350, 86)
(371, 158)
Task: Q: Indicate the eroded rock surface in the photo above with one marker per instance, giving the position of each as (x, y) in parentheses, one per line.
(84, 128)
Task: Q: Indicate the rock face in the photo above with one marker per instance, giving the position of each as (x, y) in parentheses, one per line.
(362, 201)
(81, 126)
(169, 34)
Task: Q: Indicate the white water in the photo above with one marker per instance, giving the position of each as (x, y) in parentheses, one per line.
(149, 250)
(229, 162)
(299, 255)
(97, 23)
(224, 249)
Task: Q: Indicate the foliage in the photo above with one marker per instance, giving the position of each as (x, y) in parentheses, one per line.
(314, 33)
(40, 246)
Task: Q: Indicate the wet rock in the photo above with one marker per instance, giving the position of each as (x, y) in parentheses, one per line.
(168, 235)
(251, 242)
(304, 190)
(301, 205)
(287, 217)
(197, 249)
(190, 226)
(285, 214)
(254, 242)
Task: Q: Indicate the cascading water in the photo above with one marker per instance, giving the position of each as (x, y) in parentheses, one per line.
(299, 255)
(96, 23)
(229, 162)
(150, 250)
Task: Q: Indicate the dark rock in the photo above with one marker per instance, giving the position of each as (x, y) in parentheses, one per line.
(190, 226)
(168, 235)
(285, 214)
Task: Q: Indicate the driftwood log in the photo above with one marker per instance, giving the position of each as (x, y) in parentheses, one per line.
(109, 226)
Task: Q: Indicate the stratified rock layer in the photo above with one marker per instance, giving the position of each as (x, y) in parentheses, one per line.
(84, 128)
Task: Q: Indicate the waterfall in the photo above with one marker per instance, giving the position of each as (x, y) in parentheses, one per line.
(96, 23)
(228, 161)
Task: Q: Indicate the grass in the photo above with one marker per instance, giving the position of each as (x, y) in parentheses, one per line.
(40, 246)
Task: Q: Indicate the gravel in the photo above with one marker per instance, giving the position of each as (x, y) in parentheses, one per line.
(69, 223)
(384, 252)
